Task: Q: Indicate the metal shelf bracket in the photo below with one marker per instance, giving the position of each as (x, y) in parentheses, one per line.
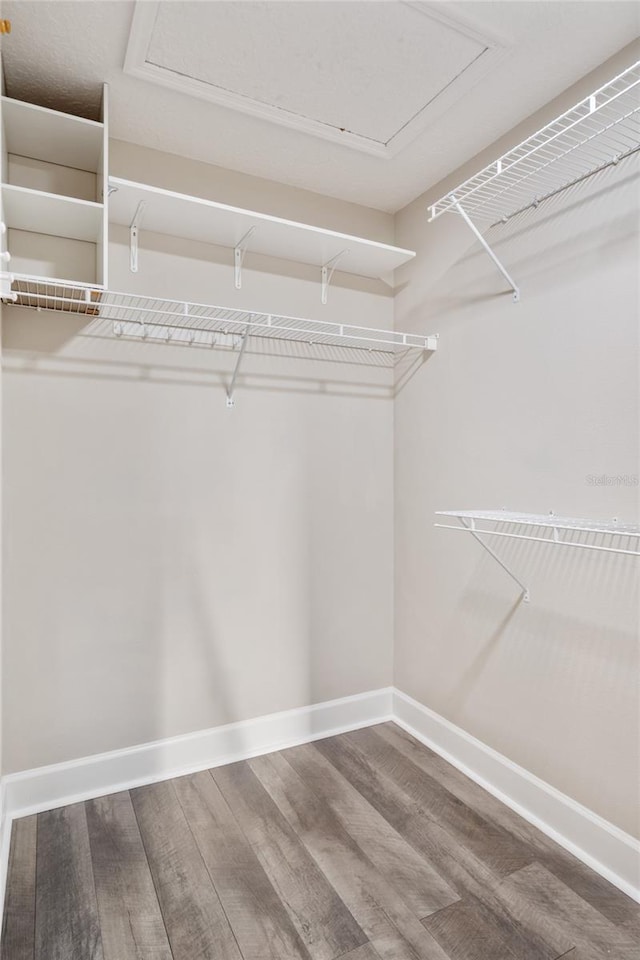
(133, 236)
(471, 527)
(505, 273)
(327, 272)
(238, 255)
(232, 385)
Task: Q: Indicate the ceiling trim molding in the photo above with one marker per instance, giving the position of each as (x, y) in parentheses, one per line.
(494, 50)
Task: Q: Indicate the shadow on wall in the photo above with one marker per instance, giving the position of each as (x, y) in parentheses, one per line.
(565, 656)
(169, 561)
(58, 344)
(580, 668)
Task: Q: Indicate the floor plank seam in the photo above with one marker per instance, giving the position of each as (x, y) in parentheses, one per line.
(35, 891)
(93, 872)
(215, 889)
(153, 879)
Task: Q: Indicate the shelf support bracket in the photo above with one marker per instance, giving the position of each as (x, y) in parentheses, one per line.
(238, 255)
(472, 530)
(133, 236)
(232, 385)
(505, 273)
(327, 272)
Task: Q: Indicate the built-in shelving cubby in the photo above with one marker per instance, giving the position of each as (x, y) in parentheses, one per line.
(54, 190)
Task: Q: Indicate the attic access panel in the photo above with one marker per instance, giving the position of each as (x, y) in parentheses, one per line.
(368, 75)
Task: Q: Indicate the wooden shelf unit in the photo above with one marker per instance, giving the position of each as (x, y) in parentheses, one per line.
(53, 195)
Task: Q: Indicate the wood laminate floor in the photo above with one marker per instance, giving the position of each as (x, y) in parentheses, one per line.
(365, 846)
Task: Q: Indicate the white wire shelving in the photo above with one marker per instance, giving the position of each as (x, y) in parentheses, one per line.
(596, 133)
(608, 536)
(200, 324)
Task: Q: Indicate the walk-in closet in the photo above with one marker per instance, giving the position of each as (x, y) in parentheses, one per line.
(320, 448)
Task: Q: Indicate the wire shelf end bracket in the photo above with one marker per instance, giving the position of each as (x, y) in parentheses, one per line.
(470, 525)
(503, 270)
(232, 386)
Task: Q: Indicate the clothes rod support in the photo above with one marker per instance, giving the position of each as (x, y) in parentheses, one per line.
(133, 236)
(232, 385)
(328, 269)
(498, 263)
(238, 256)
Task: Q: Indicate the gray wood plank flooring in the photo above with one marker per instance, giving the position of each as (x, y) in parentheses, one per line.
(130, 919)
(196, 923)
(66, 916)
(364, 846)
(20, 904)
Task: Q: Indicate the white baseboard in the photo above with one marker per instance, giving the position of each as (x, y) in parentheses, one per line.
(599, 844)
(606, 849)
(44, 788)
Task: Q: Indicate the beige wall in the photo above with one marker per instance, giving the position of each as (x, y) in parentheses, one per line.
(521, 404)
(170, 564)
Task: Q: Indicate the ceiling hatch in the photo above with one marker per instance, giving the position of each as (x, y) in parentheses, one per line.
(369, 75)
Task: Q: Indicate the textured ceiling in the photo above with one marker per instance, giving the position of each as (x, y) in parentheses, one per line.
(358, 73)
(60, 52)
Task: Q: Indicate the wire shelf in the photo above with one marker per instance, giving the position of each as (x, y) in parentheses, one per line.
(547, 520)
(598, 132)
(607, 536)
(182, 321)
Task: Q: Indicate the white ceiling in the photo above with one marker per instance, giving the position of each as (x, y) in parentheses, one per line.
(355, 73)
(370, 101)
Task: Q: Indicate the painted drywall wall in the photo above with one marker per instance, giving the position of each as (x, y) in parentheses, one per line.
(171, 564)
(534, 407)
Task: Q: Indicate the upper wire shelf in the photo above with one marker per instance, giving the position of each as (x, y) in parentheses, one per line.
(598, 132)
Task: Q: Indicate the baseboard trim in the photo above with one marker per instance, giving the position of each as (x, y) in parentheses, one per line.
(45, 788)
(609, 851)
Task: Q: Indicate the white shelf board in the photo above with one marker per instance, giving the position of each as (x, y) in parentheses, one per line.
(193, 218)
(52, 214)
(596, 133)
(546, 520)
(43, 134)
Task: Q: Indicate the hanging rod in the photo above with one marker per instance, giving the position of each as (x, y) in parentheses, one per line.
(536, 203)
(549, 529)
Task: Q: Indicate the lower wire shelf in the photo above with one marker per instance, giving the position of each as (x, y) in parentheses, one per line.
(608, 536)
(192, 323)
